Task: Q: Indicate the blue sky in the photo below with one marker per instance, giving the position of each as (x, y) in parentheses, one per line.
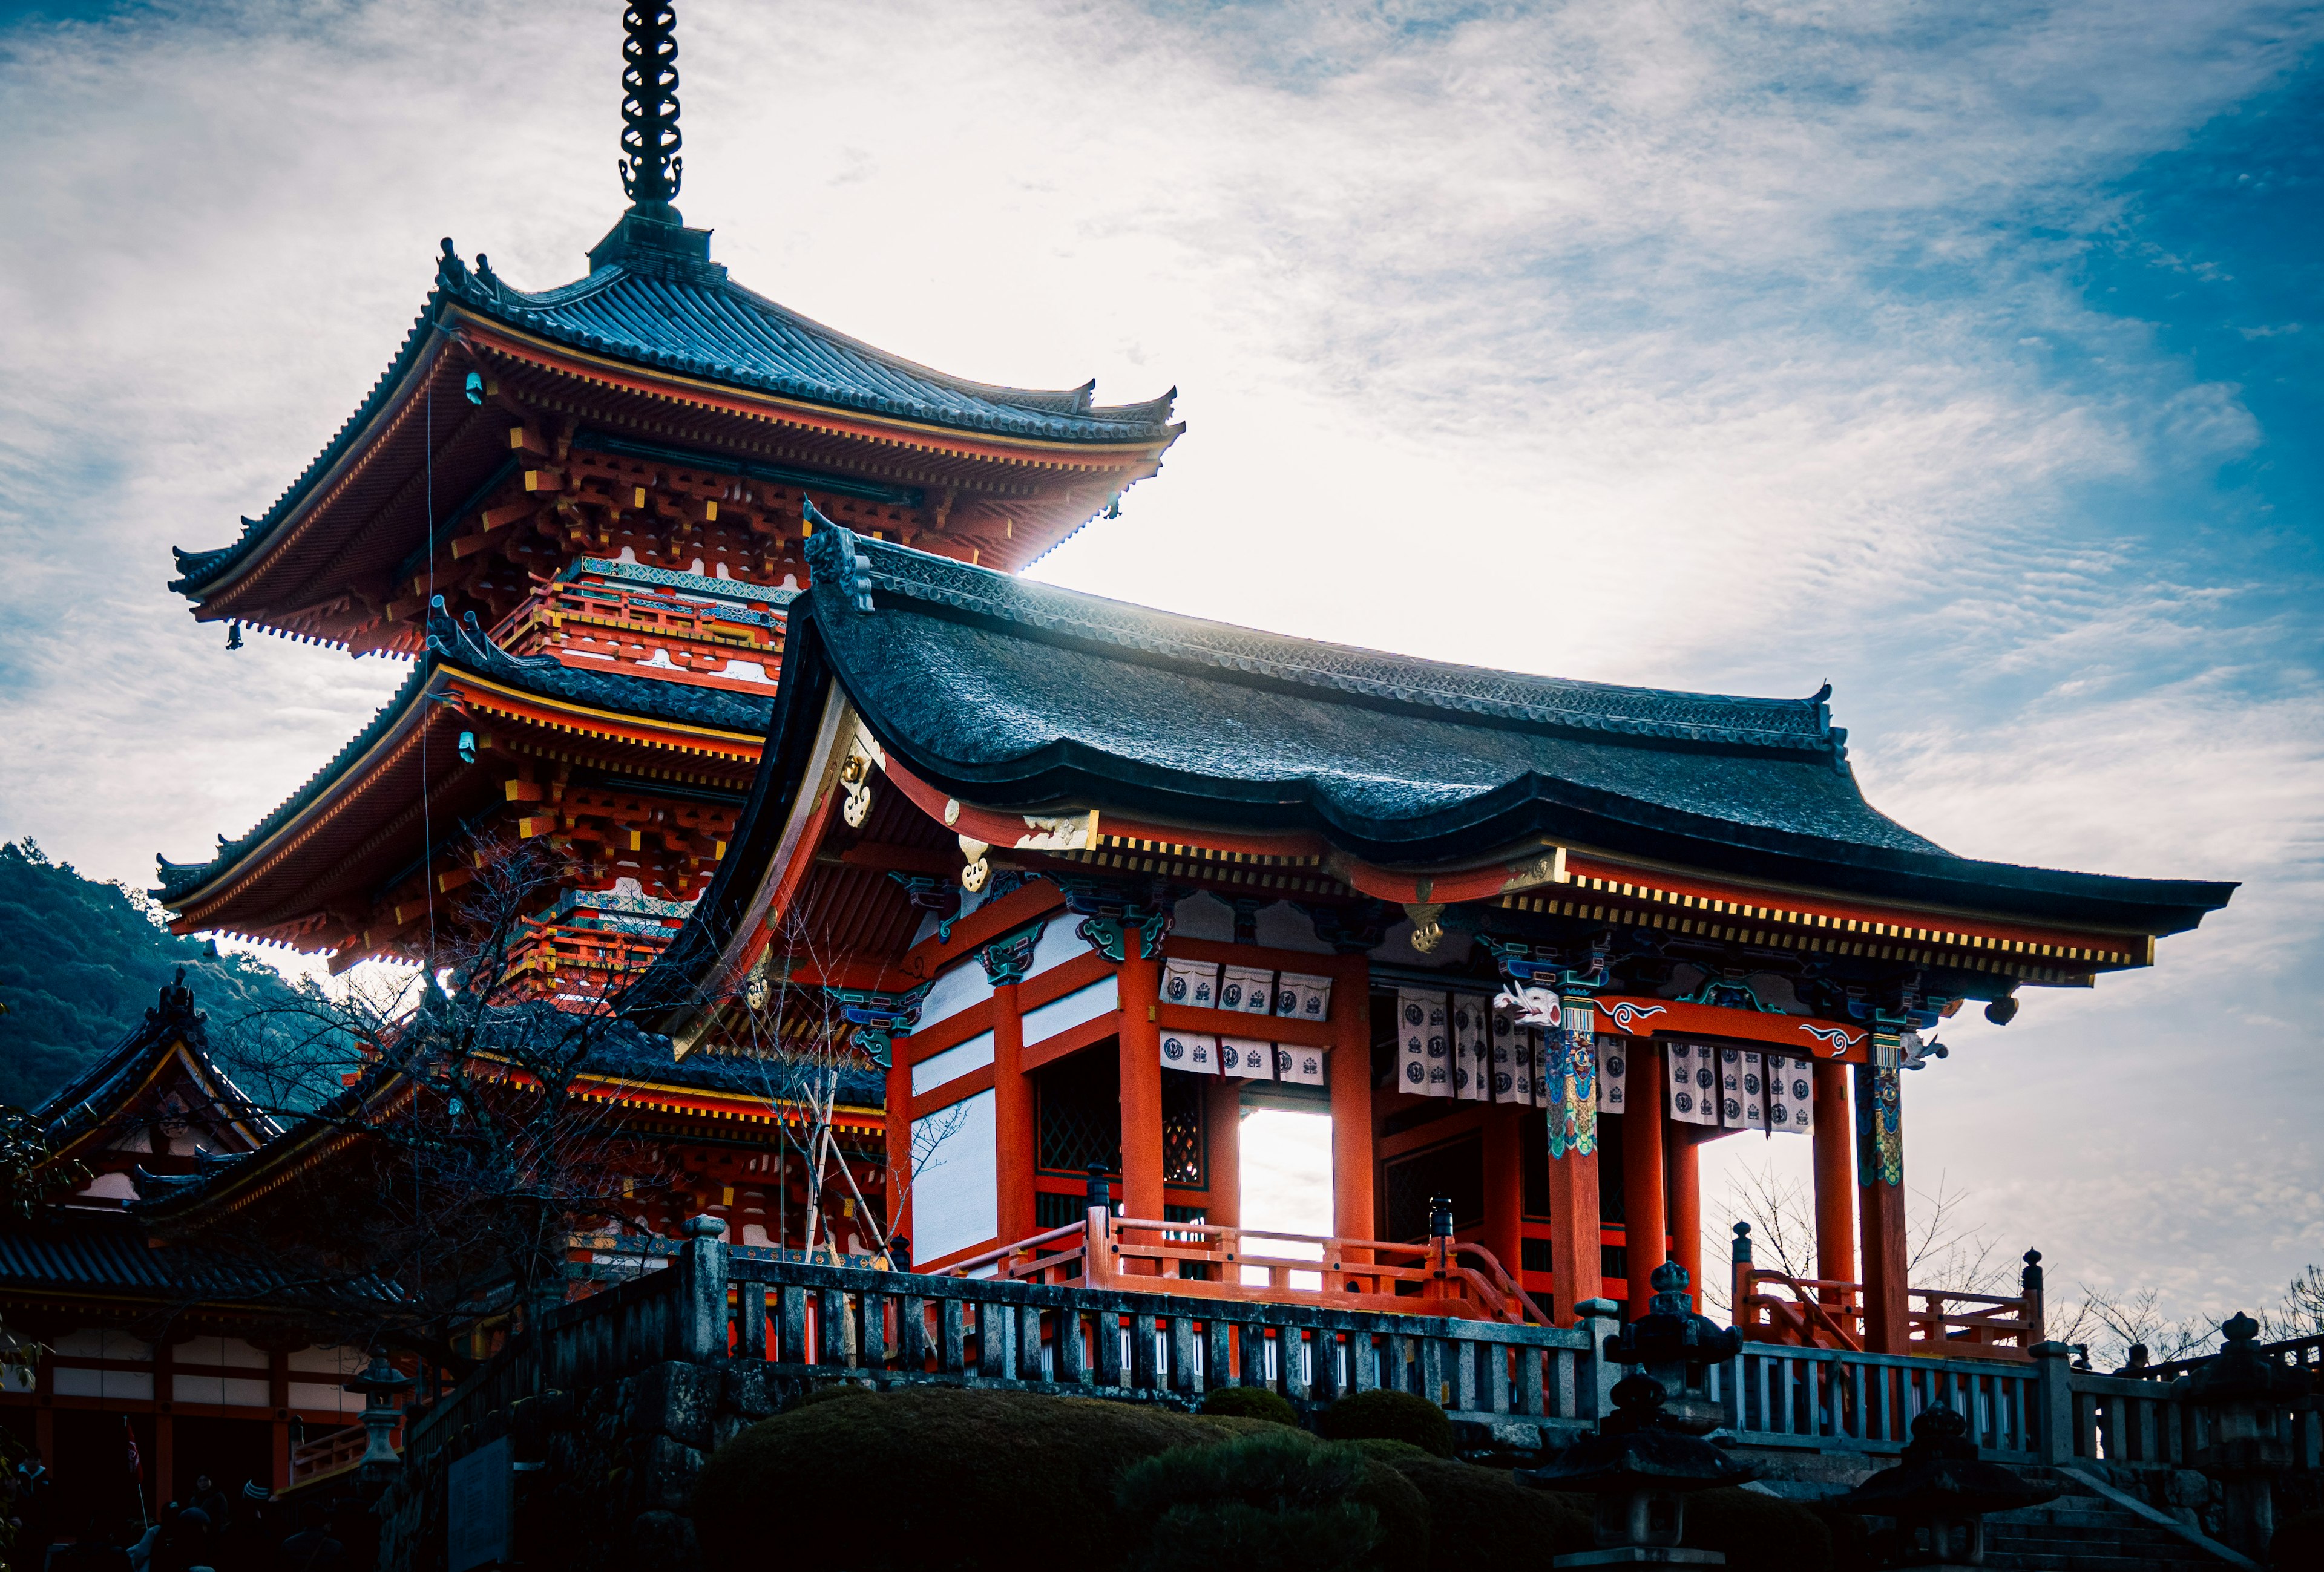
(1963, 356)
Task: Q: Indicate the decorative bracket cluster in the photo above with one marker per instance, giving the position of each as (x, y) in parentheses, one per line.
(879, 1018)
(1010, 958)
(1110, 914)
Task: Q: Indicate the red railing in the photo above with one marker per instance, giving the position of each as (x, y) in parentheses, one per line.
(335, 1452)
(1443, 1277)
(1821, 1312)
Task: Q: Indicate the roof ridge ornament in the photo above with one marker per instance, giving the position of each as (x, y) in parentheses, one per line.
(650, 165)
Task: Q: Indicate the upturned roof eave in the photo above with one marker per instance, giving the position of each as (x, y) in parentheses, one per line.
(413, 704)
(1530, 807)
(219, 569)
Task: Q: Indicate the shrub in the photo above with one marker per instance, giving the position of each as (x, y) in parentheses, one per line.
(2299, 1542)
(1279, 1501)
(1484, 1517)
(1250, 1403)
(1389, 1416)
(1758, 1533)
(837, 1389)
(954, 1473)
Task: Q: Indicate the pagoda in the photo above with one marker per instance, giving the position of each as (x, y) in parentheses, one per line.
(581, 514)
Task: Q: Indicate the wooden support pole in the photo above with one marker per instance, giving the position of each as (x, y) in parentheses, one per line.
(1223, 1149)
(1504, 1233)
(900, 1157)
(1141, 1086)
(1350, 1074)
(1573, 1246)
(1642, 1199)
(1880, 1198)
(1685, 1168)
(1888, 1329)
(1012, 1118)
(1835, 1174)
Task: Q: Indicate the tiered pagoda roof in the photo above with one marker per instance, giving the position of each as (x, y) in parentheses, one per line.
(656, 354)
(310, 873)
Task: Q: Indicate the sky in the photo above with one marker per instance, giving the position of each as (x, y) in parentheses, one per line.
(1963, 356)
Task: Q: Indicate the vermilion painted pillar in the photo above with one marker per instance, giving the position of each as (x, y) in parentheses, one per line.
(1888, 1327)
(1350, 1074)
(1642, 1197)
(900, 1157)
(1012, 1118)
(1141, 1085)
(1685, 1170)
(1880, 1199)
(1573, 1246)
(1505, 1186)
(1223, 1149)
(1835, 1174)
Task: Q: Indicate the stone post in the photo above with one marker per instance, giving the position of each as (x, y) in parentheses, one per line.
(702, 1290)
(1739, 1282)
(2053, 1402)
(1602, 1319)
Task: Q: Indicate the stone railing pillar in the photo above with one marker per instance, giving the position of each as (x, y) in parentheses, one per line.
(2053, 1402)
(702, 1290)
(1602, 1319)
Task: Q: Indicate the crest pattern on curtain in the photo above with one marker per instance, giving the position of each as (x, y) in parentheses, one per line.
(1791, 1094)
(1693, 1082)
(1613, 1071)
(1424, 1044)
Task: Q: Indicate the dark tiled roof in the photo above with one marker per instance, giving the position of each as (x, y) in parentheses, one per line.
(689, 317)
(707, 325)
(1016, 695)
(95, 1094)
(463, 646)
(635, 1055)
(86, 1252)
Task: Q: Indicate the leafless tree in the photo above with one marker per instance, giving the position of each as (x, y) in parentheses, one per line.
(1942, 1251)
(469, 1152)
(795, 1031)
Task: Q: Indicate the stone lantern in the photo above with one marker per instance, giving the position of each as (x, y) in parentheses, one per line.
(379, 1386)
(1939, 1495)
(2241, 1393)
(1677, 1347)
(1641, 1468)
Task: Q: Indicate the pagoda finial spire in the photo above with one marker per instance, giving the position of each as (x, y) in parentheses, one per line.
(649, 162)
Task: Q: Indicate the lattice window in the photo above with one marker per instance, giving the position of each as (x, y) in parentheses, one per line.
(1055, 1211)
(1455, 1169)
(1182, 1130)
(1080, 1117)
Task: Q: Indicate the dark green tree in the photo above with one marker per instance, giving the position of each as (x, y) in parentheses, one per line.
(80, 961)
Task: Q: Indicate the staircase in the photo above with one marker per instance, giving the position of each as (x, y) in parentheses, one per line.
(2083, 1532)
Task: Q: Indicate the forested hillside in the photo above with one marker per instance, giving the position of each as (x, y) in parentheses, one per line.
(80, 962)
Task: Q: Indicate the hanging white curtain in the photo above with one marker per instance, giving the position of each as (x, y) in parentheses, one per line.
(1302, 996)
(1190, 1051)
(1249, 1057)
(1247, 988)
(1299, 1066)
(1694, 1080)
(1613, 1071)
(1791, 1094)
(1194, 983)
(1472, 1046)
(1424, 1044)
